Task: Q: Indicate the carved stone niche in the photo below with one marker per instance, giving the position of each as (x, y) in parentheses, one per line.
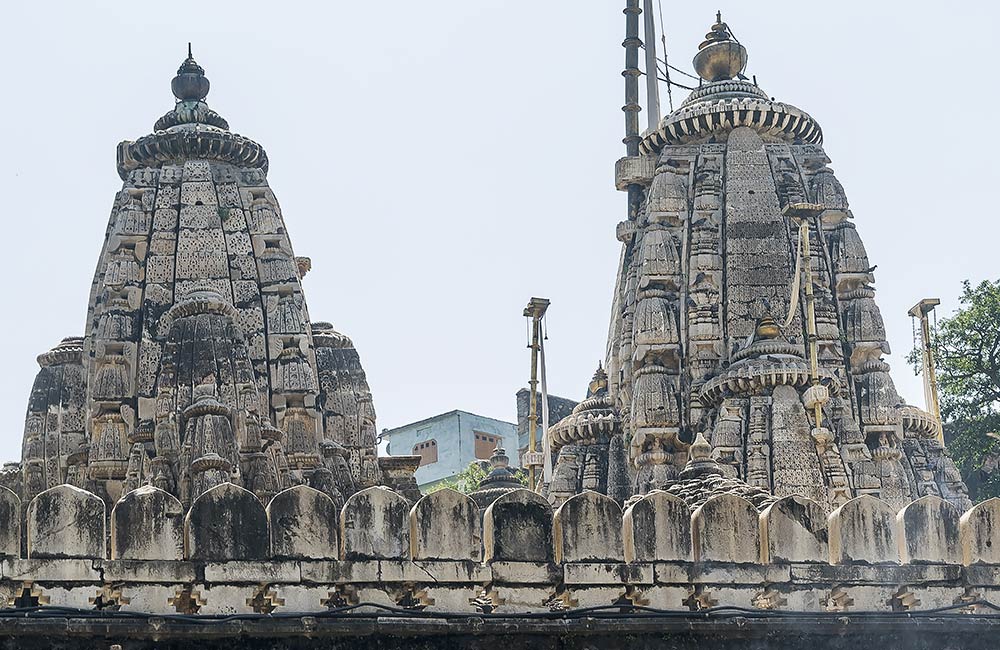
(667, 199)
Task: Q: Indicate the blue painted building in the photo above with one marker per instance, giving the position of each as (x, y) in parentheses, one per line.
(447, 443)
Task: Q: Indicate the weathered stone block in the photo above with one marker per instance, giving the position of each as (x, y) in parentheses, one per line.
(520, 599)
(438, 571)
(10, 524)
(444, 525)
(65, 521)
(374, 524)
(513, 572)
(927, 530)
(980, 533)
(450, 598)
(588, 528)
(834, 574)
(726, 528)
(794, 529)
(253, 572)
(302, 523)
(49, 570)
(590, 596)
(738, 574)
(863, 530)
(634, 170)
(147, 524)
(517, 527)
(147, 571)
(657, 527)
(608, 573)
(226, 523)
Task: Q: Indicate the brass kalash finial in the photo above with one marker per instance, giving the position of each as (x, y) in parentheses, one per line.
(599, 384)
(720, 56)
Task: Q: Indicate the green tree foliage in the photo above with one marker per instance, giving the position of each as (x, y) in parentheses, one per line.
(468, 480)
(967, 353)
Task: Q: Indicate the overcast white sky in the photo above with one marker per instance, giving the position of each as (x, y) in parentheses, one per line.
(442, 161)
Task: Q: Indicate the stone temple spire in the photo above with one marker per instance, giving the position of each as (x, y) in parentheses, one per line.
(708, 333)
(199, 364)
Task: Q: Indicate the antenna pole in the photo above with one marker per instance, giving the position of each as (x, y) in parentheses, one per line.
(652, 84)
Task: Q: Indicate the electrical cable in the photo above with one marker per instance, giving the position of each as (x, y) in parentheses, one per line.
(613, 612)
(676, 69)
(670, 81)
(663, 41)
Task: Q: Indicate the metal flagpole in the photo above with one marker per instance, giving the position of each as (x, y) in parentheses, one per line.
(652, 84)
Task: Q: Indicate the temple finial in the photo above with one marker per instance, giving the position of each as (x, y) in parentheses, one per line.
(599, 383)
(720, 56)
(190, 84)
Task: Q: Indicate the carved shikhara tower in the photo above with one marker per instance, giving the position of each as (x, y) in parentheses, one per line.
(707, 273)
(200, 364)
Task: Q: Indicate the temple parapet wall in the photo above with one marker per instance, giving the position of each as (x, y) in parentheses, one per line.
(231, 554)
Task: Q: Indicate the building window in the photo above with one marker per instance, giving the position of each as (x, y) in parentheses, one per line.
(428, 452)
(485, 444)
